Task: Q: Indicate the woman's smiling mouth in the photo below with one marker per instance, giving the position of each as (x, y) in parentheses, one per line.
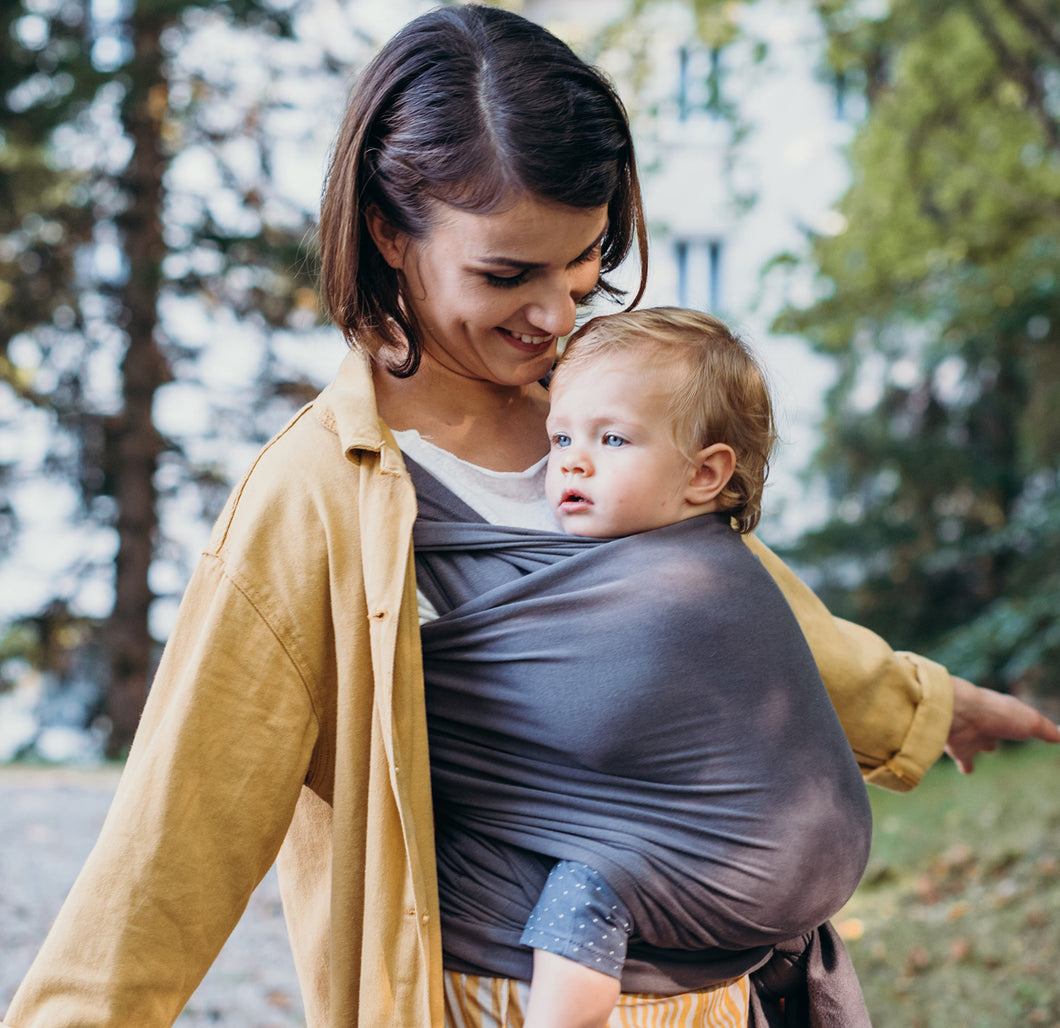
(528, 343)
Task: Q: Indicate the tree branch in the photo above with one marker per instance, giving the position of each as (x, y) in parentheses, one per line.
(1016, 67)
(1035, 24)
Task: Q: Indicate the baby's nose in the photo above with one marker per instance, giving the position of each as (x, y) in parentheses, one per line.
(576, 462)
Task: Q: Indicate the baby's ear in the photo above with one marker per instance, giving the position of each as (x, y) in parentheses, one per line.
(712, 468)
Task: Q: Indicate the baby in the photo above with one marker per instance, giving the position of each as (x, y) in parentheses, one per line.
(657, 416)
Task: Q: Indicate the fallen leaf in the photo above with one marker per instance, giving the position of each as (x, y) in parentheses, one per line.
(918, 961)
(927, 889)
(851, 929)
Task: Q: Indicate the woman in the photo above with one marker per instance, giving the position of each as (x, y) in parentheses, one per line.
(483, 179)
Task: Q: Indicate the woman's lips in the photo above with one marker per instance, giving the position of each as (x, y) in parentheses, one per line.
(528, 343)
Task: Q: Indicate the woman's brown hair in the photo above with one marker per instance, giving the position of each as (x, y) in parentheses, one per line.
(468, 106)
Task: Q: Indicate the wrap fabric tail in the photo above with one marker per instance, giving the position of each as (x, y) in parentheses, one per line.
(809, 982)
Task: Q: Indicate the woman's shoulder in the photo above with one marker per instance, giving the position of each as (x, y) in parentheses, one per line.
(289, 469)
(306, 485)
(315, 459)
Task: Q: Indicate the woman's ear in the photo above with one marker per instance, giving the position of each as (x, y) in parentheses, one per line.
(389, 240)
(713, 467)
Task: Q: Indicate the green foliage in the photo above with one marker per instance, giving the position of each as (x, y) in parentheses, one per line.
(45, 79)
(45, 642)
(940, 305)
(1015, 641)
(715, 20)
(73, 122)
(78, 123)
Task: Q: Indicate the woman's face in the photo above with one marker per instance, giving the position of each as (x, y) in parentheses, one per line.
(493, 293)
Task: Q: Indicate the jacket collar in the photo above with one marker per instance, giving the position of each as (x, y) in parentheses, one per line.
(347, 407)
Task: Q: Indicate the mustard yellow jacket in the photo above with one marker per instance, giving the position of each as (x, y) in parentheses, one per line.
(287, 718)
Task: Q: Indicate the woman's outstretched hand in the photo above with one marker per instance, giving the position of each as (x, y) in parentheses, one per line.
(982, 717)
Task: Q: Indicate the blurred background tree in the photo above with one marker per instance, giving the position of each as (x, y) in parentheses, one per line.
(939, 303)
(142, 211)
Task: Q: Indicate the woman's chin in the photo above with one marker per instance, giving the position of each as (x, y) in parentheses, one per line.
(527, 372)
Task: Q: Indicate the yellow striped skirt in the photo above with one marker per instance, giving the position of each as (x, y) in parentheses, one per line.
(475, 1002)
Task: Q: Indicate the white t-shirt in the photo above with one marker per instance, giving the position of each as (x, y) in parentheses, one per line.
(514, 498)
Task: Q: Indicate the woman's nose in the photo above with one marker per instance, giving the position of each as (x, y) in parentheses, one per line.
(555, 308)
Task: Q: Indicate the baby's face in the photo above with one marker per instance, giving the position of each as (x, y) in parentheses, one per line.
(613, 467)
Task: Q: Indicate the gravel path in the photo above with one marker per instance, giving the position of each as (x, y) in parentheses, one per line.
(49, 819)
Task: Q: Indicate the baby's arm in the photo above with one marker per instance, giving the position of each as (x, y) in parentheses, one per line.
(578, 931)
(566, 994)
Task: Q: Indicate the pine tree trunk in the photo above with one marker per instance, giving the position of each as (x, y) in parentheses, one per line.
(135, 443)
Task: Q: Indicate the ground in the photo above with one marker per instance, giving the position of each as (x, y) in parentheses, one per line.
(955, 925)
(49, 819)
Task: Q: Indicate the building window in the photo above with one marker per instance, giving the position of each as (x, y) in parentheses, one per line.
(699, 81)
(848, 92)
(698, 263)
(839, 90)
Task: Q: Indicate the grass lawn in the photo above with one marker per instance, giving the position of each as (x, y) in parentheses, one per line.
(957, 921)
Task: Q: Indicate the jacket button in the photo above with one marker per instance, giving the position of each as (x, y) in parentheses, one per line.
(379, 615)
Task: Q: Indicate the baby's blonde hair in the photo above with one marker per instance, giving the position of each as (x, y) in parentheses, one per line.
(720, 396)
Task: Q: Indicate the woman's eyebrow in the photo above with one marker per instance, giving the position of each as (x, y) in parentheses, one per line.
(510, 262)
(514, 262)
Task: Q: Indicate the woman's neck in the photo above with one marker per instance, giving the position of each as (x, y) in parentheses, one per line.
(494, 426)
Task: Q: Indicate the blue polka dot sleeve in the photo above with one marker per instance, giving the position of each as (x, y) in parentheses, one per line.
(579, 916)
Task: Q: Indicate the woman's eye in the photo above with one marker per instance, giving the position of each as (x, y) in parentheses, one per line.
(506, 281)
(613, 440)
(592, 254)
(560, 440)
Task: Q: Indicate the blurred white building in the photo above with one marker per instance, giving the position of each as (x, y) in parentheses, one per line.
(725, 195)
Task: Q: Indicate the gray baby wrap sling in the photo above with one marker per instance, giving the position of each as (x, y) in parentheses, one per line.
(647, 706)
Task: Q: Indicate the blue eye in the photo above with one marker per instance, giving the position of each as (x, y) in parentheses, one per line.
(611, 439)
(560, 440)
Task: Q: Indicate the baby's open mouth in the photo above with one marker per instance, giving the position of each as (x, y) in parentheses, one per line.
(570, 496)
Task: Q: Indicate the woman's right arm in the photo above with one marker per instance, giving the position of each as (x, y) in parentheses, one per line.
(203, 805)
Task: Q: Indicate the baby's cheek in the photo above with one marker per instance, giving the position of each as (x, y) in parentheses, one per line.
(552, 483)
